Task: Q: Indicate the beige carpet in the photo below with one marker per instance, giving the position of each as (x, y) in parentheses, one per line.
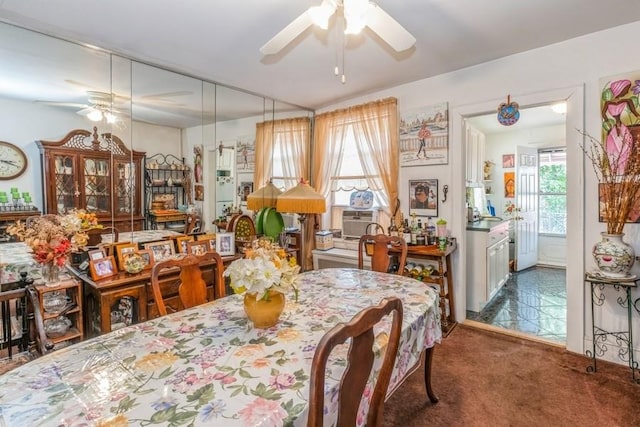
(487, 379)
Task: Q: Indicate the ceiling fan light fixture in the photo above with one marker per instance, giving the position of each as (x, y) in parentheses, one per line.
(110, 117)
(355, 13)
(320, 14)
(95, 115)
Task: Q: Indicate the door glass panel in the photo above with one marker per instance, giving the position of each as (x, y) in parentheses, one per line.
(125, 186)
(65, 183)
(96, 187)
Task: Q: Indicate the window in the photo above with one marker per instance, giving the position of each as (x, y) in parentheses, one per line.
(553, 191)
(351, 176)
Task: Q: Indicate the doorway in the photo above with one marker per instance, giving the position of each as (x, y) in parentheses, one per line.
(533, 300)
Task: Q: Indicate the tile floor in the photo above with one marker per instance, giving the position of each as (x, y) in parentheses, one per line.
(533, 301)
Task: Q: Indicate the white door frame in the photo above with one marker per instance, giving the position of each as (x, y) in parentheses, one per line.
(574, 97)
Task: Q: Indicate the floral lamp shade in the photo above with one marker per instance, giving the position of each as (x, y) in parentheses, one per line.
(301, 199)
(264, 197)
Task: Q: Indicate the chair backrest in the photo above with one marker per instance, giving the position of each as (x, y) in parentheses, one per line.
(192, 288)
(359, 364)
(95, 235)
(192, 224)
(378, 247)
(22, 331)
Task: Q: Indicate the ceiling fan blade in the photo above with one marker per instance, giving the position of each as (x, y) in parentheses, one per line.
(287, 35)
(388, 29)
(61, 104)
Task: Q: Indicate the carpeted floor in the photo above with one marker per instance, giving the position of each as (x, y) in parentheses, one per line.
(487, 379)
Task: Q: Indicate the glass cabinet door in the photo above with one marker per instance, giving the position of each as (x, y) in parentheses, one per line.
(125, 186)
(97, 185)
(66, 184)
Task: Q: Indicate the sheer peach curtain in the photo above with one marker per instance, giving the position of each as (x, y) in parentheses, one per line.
(375, 126)
(286, 141)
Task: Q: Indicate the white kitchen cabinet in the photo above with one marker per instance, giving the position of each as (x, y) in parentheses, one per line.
(475, 156)
(487, 261)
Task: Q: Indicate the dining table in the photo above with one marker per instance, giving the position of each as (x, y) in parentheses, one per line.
(208, 365)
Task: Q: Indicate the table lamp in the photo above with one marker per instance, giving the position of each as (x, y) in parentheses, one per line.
(302, 200)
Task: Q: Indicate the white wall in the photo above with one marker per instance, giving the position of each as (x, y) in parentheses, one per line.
(577, 63)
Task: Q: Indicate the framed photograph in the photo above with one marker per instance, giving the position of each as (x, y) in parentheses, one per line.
(509, 185)
(199, 247)
(147, 255)
(181, 243)
(103, 268)
(246, 153)
(97, 254)
(210, 237)
(123, 250)
(423, 196)
(161, 250)
(244, 189)
(509, 161)
(225, 244)
(424, 135)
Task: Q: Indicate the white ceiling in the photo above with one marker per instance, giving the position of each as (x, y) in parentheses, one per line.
(220, 40)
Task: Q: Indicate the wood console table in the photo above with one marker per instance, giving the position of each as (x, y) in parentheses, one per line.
(125, 299)
(443, 277)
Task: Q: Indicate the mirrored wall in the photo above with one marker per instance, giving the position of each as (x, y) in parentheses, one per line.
(197, 137)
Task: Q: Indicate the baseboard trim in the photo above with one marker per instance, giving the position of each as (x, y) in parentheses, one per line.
(512, 333)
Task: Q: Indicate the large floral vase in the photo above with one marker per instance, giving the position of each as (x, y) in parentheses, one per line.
(264, 312)
(613, 256)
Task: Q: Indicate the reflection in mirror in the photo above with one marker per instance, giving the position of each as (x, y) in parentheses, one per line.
(167, 122)
(49, 87)
(233, 154)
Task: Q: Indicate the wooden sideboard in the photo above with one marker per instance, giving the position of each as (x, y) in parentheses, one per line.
(124, 299)
(443, 277)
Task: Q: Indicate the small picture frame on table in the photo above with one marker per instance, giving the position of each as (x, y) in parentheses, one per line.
(161, 250)
(123, 250)
(198, 248)
(181, 243)
(210, 237)
(147, 255)
(97, 254)
(423, 197)
(103, 268)
(225, 244)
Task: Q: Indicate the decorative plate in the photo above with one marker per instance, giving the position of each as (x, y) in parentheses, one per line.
(361, 199)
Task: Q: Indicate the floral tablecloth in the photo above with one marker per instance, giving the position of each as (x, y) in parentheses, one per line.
(208, 366)
(14, 259)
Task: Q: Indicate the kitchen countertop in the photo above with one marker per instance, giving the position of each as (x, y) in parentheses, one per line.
(485, 224)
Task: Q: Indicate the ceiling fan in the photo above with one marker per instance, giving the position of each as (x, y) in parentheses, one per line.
(357, 13)
(99, 106)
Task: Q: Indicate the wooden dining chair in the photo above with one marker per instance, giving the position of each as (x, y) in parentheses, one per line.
(359, 364)
(22, 333)
(378, 247)
(191, 286)
(95, 235)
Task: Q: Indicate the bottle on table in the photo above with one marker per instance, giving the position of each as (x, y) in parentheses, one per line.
(431, 232)
(406, 232)
(393, 229)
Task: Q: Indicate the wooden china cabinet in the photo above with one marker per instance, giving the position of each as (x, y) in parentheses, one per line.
(96, 173)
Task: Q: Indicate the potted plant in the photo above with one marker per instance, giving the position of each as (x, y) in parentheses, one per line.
(616, 162)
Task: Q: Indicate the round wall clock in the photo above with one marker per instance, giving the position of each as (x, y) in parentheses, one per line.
(13, 161)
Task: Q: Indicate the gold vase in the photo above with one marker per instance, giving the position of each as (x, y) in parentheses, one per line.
(264, 312)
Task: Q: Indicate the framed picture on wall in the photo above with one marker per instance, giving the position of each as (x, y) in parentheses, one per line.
(424, 135)
(509, 161)
(423, 194)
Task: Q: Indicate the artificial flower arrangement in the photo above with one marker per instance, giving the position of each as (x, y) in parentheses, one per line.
(265, 266)
(53, 237)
